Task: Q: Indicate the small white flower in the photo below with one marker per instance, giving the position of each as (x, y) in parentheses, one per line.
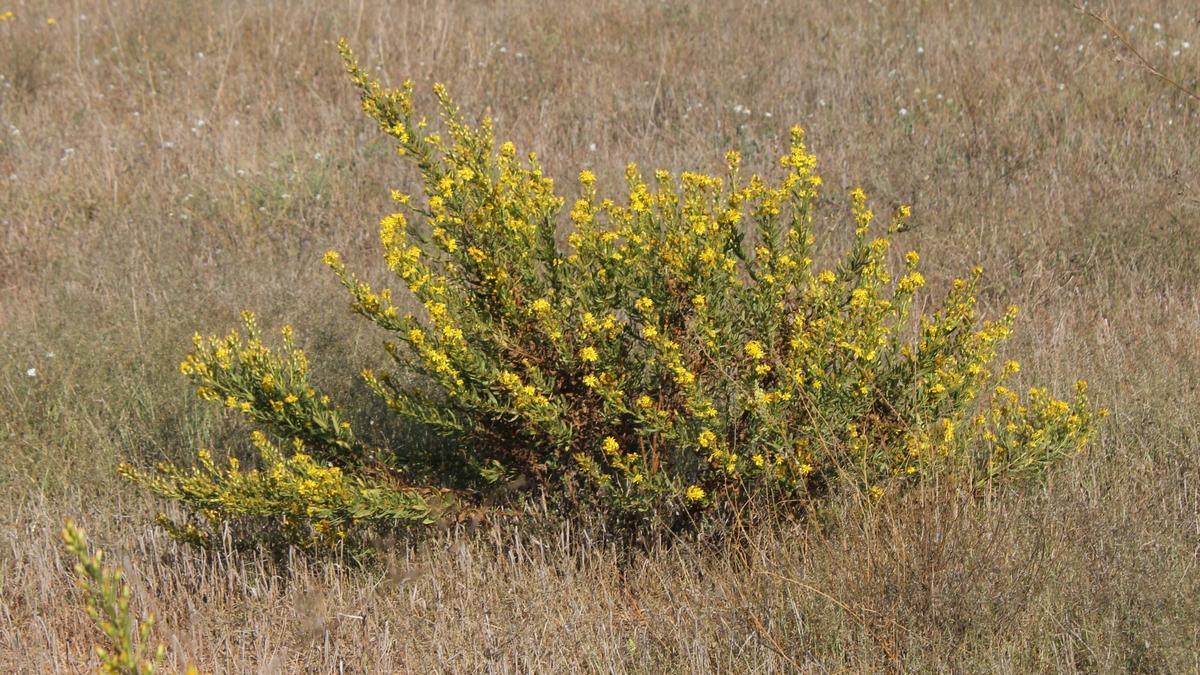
(904, 112)
(32, 372)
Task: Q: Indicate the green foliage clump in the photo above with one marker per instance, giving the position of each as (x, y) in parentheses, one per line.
(680, 352)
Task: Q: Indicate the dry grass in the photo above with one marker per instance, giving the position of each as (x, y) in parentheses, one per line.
(167, 164)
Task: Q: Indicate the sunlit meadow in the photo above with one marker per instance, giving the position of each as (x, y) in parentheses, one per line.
(166, 166)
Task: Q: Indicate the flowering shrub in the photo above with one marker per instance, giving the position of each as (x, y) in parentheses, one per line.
(680, 351)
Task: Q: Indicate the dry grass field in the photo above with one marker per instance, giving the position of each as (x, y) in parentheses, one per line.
(165, 164)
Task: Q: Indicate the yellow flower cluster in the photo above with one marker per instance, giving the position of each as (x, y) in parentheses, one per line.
(312, 503)
(270, 387)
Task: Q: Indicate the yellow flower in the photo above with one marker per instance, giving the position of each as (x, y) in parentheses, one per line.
(754, 350)
(695, 493)
(540, 306)
(911, 282)
(588, 354)
(644, 304)
(699, 302)
(706, 438)
(645, 401)
(683, 376)
(610, 445)
(437, 310)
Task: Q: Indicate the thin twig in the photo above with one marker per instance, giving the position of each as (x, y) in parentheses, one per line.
(1145, 63)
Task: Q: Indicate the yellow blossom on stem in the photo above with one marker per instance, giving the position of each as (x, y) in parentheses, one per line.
(754, 350)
